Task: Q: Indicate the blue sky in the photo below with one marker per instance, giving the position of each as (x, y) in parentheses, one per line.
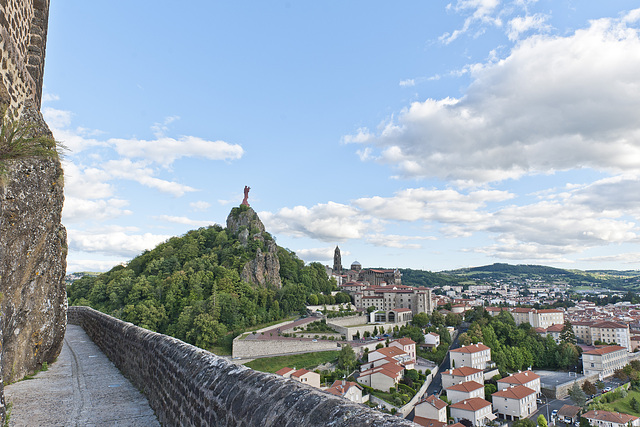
(418, 134)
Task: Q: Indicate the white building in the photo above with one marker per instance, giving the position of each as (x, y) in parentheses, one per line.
(611, 419)
(604, 360)
(515, 403)
(347, 389)
(474, 355)
(433, 408)
(476, 410)
(461, 375)
(527, 378)
(464, 391)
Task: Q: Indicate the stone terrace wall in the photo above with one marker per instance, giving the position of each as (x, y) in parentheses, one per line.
(23, 39)
(188, 386)
(248, 348)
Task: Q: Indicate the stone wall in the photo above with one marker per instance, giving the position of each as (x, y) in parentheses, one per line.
(250, 348)
(188, 386)
(23, 38)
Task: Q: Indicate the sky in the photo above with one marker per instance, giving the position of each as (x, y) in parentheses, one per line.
(431, 135)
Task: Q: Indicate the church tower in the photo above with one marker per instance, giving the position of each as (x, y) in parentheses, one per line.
(337, 261)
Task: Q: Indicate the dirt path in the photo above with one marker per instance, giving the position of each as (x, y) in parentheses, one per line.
(82, 388)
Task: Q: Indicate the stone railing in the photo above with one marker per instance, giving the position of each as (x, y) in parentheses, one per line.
(189, 386)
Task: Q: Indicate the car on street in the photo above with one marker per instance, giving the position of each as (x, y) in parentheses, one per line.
(606, 389)
(554, 413)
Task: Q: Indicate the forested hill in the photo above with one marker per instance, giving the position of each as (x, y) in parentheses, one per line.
(190, 287)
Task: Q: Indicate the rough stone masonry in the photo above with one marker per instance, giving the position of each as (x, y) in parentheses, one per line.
(32, 239)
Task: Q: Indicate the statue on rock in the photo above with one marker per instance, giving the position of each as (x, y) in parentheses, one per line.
(245, 201)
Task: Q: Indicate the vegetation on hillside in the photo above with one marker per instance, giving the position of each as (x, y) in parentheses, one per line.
(190, 287)
(516, 348)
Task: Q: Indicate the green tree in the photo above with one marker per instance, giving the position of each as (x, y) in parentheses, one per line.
(347, 358)
(635, 405)
(567, 335)
(577, 395)
(420, 320)
(437, 319)
(526, 422)
(542, 421)
(589, 388)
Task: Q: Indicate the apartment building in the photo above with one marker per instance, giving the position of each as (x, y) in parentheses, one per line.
(588, 332)
(528, 379)
(476, 410)
(515, 403)
(461, 375)
(464, 391)
(604, 360)
(474, 355)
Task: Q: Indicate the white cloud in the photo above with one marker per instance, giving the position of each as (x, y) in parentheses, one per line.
(331, 222)
(481, 11)
(165, 150)
(625, 258)
(78, 210)
(397, 241)
(142, 174)
(555, 103)
(323, 255)
(520, 25)
(200, 205)
(113, 241)
(407, 83)
(78, 265)
(49, 97)
(184, 220)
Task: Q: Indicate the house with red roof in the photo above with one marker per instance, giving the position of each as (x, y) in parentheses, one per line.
(405, 344)
(461, 375)
(604, 360)
(611, 419)
(303, 376)
(382, 377)
(527, 378)
(432, 407)
(347, 389)
(476, 410)
(515, 403)
(474, 355)
(464, 391)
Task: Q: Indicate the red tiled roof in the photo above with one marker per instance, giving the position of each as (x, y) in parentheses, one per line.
(467, 386)
(390, 351)
(428, 422)
(555, 328)
(464, 371)
(549, 310)
(611, 417)
(300, 372)
(405, 341)
(473, 404)
(609, 324)
(434, 401)
(340, 389)
(518, 392)
(606, 350)
(284, 371)
(520, 378)
(472, 348)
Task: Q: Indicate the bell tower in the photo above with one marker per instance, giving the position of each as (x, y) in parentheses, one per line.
(337, 261)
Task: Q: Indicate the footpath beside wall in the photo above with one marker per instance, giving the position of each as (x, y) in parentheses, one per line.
(189, 386)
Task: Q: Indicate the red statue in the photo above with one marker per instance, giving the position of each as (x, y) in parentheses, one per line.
(246, 196)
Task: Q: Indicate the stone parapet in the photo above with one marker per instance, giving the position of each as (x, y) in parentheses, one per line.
(189, 386)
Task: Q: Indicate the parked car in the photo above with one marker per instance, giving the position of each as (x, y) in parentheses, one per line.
(606, 389)
(554, 413)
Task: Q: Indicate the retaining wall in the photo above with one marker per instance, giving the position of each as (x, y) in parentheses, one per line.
(251, 348)
(189, 386)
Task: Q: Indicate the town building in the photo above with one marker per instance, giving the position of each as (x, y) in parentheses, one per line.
(391, 354)
(347, 389)
(611, 419)
(515, 403)
(386, 299)
(475, 410)
(382, 377)
(405, 344)
(537, 318)
(303, 376)
(461, 375)
(588, 332)
(431, 340)
(432, 407)
(474, 355)
(604, 360)
(464, 391)
(528, 379)
(569, 414)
